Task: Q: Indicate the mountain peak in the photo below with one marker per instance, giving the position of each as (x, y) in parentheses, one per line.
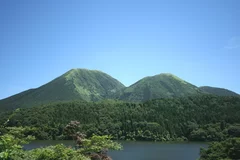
(76, 84)
(161, 75)
(77, 70)
(164, 85)
(170, 75)
(84, 69)
(166, 74)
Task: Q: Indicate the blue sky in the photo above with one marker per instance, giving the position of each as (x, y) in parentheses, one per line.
(198, 41)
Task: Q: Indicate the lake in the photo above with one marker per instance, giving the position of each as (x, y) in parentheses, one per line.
(143, 150)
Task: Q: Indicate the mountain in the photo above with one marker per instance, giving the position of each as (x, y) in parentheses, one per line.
(218, 91)
(76, 84)
(93, 85)
(163, 85)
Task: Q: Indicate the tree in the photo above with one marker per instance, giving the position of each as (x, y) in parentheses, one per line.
(11, 146)
(94, 147)
(228, 149)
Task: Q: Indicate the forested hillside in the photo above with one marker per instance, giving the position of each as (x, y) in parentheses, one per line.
(200, 118)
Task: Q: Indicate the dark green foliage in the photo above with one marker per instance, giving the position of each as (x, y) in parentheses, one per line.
(197, 118)
(218, 91)
(234, 131)
(209, 132)
(226, 150)
(76, 84)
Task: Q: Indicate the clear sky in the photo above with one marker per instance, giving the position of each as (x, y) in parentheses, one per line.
(196, 40)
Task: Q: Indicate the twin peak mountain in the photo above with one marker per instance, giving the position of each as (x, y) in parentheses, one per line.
(93, 85)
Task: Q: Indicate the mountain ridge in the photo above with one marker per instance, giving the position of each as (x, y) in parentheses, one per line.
(218, 91)
(94, 85)
(164, 85)
(75, 84)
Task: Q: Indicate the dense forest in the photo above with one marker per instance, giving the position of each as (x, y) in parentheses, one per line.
(225, 150)
(194, 118)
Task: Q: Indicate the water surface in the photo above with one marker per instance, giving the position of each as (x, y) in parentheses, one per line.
(143, 150)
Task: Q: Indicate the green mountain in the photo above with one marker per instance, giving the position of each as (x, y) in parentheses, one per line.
(93, 85)
(76, 84)
(163, 85)
(218, 91)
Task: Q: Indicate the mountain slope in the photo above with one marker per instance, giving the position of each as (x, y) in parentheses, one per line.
(93, 85)
(76, 84)
(163, 85)
(218, 91)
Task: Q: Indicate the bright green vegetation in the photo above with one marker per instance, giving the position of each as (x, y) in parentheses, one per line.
(76, 84)
(95, 147)
(225, 150)
(159, 86)
(196, 118)
(218, 91)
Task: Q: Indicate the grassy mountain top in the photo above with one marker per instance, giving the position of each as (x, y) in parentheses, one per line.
(163, 85)
(218, 91)
(92, 82)
(76, 84)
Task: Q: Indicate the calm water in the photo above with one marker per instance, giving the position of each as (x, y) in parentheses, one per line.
(143, 150)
